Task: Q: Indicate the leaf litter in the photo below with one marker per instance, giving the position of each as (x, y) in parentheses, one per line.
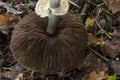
(96, 68)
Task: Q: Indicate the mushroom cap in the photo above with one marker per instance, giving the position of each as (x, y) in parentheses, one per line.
(42, 8)
(37, 51)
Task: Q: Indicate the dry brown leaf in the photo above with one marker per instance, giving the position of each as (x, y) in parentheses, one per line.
(93, 39)
(113, 5)
(10, 74)
(4, 19)
(116, 66)
(8, 21)
(118, 18)
(19, 77)
(93, 63)
(96, 76)
(9, 8)
(112, 47)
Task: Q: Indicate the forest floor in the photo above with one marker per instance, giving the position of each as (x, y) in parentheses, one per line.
(102, 21)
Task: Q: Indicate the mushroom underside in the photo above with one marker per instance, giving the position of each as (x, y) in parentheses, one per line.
(37, 51)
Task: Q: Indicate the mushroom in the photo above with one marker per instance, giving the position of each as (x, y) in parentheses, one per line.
(42, 8)
(37, 50)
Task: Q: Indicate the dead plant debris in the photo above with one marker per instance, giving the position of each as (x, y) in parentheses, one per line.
(103, 26)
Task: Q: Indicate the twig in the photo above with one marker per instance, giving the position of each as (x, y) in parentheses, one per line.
(99, 24)
(104, 2)
(106, 59)
(1, 53)
(11, 69)
(99, 11)
(95, 4)
(103, 30)
(99, 55)
(83, 14)
(73, 3)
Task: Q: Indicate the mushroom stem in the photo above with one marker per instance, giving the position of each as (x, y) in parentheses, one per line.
(53, 19)
(54, 3)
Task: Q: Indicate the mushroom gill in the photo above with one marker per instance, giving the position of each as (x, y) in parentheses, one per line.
(36, 50)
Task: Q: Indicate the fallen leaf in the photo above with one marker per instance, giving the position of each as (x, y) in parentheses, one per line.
(2, 3)
(96, 76)
(103, 23)
(118, 17)
(113, 77)
(12, 10)
(93, 63)
(93, 39)
(89, 22)
(116, 66)
(10, 74)
(111, 47)
(19, 77)
(4, 19)
(9, 8)
(113, 5)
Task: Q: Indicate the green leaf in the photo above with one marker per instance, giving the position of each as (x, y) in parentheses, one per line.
(113, 77)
